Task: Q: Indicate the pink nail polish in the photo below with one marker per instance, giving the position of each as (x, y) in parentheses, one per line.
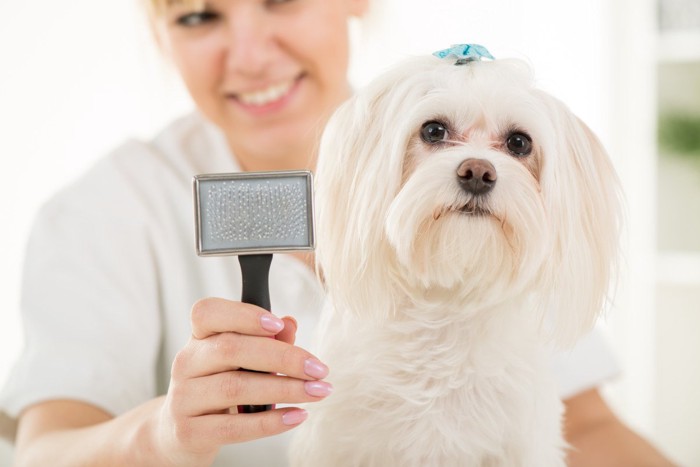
(271, 323)
(315, 369)
(294, 417)
(318, 388)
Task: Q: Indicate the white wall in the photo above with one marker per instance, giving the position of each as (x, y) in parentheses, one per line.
(78, 77)
(633, 124)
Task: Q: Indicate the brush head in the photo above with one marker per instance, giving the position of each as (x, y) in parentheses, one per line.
(253, 212)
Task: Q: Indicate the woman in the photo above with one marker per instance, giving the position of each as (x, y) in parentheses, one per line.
(119, 367)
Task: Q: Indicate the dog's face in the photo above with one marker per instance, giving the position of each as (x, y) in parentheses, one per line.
(467, 180)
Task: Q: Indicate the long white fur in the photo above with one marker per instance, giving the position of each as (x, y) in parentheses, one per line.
(437, 321)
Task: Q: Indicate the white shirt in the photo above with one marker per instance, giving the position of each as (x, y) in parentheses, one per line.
(111, 275)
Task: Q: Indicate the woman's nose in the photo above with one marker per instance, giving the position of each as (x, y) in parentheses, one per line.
(250, 44)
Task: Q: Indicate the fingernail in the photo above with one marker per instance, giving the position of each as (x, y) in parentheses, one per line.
(294, 417)
(271, 323)
(315, 369)
(318, 388)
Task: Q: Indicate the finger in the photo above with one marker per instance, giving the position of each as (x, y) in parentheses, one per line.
(288, 334)
(223, 429)
(230, 351)
(210, 316)
(211, 394)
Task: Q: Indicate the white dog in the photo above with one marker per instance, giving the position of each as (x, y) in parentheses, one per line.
(465, 219)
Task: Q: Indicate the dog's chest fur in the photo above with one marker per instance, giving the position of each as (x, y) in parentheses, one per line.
(442, 392)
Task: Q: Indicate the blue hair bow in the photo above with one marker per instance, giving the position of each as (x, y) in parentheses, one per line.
(464, 53)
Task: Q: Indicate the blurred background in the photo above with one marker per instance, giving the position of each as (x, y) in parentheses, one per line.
(77, 78)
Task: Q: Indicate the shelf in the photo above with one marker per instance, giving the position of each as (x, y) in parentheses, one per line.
(681, 45)
(678, 268)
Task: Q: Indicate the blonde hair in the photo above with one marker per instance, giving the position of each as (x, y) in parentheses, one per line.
(157, 8)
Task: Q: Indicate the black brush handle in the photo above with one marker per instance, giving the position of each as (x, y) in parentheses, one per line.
(255, 271)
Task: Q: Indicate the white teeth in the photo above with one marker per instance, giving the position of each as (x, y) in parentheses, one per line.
(266, 96)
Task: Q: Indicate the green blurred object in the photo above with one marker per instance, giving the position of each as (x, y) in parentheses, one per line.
(680, 134)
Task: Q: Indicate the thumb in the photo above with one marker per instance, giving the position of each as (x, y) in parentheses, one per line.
(288, 334)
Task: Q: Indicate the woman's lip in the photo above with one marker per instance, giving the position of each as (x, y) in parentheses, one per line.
(268, 107)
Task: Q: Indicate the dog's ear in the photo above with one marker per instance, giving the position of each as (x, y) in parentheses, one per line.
(358, 174)
(583, 200)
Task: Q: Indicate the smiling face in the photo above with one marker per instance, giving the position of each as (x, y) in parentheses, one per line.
(268, 73)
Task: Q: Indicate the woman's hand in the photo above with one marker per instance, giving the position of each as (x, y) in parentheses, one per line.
(189, 425)
(199, 413)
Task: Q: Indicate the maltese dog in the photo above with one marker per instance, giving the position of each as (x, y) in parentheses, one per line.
(466, 221)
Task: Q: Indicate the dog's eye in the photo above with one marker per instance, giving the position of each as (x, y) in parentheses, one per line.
(433, 132)
(519, 144)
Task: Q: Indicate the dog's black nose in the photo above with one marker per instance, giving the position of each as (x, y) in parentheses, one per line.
(477, 176)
